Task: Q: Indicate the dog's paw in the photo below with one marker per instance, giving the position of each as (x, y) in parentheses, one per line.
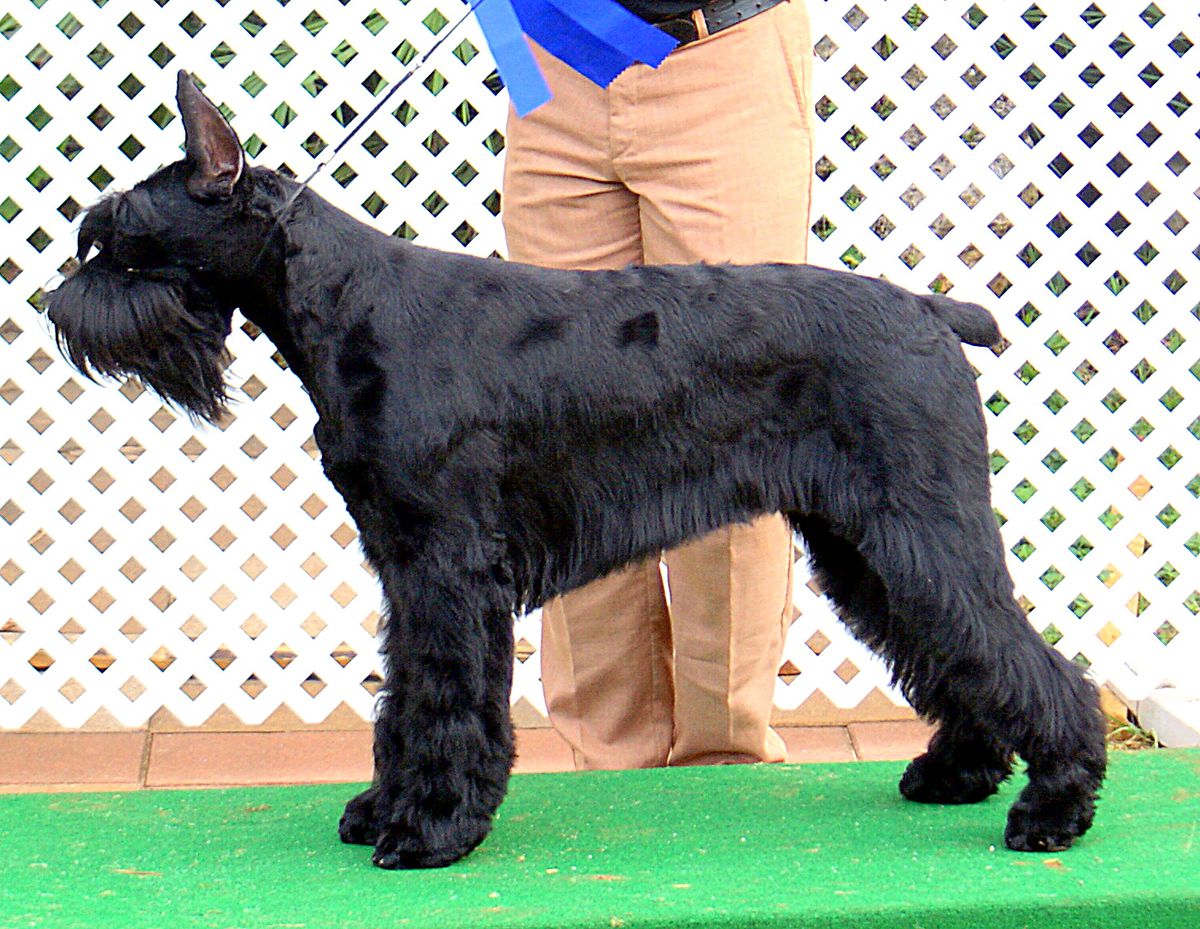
(359, 825)
(398, 848)
(1029, 832)
(928, 779)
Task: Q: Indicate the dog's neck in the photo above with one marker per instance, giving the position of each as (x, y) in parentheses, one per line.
(297, 301)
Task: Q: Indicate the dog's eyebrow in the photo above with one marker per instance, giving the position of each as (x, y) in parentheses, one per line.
(96, 226)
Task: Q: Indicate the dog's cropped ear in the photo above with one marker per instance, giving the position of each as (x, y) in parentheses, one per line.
(214, 153)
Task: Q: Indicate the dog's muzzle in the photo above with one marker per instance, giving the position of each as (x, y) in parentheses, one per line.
(718, 15)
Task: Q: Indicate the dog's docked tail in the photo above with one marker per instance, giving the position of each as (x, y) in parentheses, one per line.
(971, 322)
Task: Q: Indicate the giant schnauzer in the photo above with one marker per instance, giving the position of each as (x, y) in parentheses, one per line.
(668, 401)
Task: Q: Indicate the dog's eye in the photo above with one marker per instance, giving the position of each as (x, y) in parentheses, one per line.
(134, 251)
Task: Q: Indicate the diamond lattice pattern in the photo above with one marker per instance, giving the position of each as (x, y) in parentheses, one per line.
(1037, 160)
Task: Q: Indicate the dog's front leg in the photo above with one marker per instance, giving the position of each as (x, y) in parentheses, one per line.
(448, 649)
(360, 822)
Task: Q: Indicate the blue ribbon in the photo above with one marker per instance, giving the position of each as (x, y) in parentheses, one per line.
(598, 38)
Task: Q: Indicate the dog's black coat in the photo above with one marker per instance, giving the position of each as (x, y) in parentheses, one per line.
(502, 433)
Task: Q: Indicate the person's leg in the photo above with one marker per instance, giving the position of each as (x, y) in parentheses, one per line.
(706, 158)
(606, 670)
(561, 204)
(605, 653)
(730, 610)
(717, 143)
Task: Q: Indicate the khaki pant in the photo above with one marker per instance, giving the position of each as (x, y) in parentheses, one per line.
(707, 158)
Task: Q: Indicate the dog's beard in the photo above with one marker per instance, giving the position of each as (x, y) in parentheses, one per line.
(156, 326)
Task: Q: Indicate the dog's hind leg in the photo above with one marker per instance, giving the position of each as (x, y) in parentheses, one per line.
(963, 764)
(940, 611)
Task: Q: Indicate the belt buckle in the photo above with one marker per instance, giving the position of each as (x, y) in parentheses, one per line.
(682, 28)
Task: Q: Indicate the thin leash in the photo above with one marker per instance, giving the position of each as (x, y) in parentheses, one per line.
(358, 124)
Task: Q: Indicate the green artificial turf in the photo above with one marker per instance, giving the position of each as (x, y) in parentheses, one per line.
(803, 846)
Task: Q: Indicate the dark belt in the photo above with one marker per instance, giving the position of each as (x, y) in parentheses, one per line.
(718, 15)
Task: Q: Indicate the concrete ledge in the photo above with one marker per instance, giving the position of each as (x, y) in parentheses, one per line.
(1173, 715)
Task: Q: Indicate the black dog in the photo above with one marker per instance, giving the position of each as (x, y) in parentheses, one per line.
(670, 401)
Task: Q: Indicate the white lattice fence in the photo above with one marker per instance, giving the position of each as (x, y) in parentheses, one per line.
(1038, 159)
(149, 566)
